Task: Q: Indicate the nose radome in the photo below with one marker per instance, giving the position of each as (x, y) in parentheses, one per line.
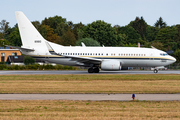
(174, 59)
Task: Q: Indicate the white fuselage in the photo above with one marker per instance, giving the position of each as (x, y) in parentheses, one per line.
(128, 56)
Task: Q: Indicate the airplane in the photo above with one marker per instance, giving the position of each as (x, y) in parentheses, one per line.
(95, 58)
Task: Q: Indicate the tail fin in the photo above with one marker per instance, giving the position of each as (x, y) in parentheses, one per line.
(30, 37)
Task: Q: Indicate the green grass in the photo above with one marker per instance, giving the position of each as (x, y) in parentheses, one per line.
(88, 110)
(90, 84)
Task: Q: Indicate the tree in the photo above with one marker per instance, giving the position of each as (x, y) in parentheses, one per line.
(140, 26)
(14, 37)
(4, 42)
(102, 32)
(3, 27)
(67, 39)
(121, 39)
(160, 23)
(61, 28)
(177, 55)
(131, 33)
(28, 60)
(177, 37)
(48, 33)
(166, 36)
(151, 33)
(158, 45)
(37, 25)
(76, 30)
(53, 21)
(88, 42)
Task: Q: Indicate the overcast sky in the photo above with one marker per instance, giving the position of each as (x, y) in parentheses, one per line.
(115, 12)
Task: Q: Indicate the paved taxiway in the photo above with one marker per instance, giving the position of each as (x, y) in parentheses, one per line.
(34, 72)
(92, 97)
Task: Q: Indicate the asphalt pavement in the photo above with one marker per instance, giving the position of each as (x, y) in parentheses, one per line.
(92, 97)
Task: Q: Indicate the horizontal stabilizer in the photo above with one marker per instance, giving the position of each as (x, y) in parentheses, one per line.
(20, 48)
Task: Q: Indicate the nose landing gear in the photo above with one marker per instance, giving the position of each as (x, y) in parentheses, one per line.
(155, 71)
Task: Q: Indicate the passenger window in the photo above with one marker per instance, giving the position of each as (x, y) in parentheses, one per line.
(106, 54)
(102, 54)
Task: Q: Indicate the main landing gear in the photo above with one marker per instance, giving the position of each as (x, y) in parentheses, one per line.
(93, 70)
(155, 71)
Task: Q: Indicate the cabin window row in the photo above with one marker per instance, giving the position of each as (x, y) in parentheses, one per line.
(101, 54)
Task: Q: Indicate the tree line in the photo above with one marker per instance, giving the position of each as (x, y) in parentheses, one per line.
(58, 30)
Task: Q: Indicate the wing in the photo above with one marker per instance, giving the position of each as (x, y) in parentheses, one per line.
(85, 60)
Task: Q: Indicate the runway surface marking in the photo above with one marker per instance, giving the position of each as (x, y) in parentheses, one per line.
(92, 97)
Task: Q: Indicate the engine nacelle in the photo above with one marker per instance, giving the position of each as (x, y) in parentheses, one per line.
(111, 65)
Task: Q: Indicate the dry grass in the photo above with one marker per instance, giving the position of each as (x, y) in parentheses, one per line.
(88, 110)
(90, 84)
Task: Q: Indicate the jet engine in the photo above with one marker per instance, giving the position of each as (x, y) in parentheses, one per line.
(111, 65)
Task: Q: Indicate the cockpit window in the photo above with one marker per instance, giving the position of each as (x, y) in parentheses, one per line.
(163, 54)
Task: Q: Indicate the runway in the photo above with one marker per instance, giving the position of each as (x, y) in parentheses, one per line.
(39, 72)
(92, 97)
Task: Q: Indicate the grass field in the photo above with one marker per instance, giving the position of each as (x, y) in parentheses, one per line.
(90, 83)
(88, 110)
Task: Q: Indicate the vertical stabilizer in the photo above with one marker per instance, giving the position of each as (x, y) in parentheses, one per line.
(30, 37)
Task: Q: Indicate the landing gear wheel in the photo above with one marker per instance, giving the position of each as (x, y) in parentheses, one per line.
(96, 70)
(155, 71)
(90, 70)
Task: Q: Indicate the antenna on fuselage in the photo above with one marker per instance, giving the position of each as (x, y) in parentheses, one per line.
(83, 45)
(153, 47)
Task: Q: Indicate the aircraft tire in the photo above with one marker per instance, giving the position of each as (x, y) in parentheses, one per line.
(96, 70)
(90, 70)
(155, 71)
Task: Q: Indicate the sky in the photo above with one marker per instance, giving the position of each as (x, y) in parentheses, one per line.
(114, 12)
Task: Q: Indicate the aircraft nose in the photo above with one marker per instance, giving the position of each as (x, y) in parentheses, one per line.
(174, 59)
